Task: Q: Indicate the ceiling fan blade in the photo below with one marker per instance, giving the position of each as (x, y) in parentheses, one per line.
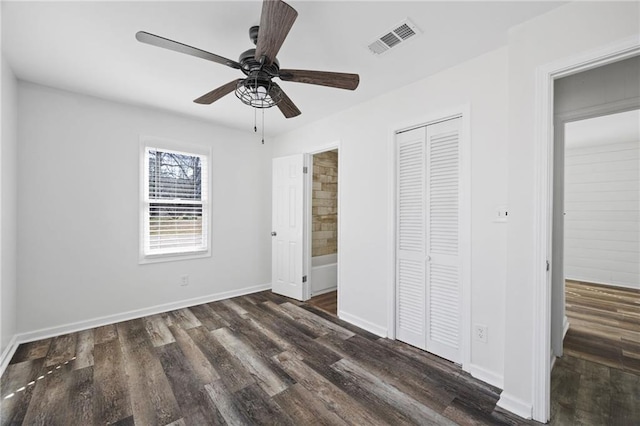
(323, 78)
(275, 22)
(286, 105)
(165, 43)
(216, 94)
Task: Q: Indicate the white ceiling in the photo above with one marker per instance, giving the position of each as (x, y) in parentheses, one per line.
(607, 129)
(90, 47)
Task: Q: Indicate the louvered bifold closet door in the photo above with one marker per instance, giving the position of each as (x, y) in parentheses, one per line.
(410, 243)
(444, 292)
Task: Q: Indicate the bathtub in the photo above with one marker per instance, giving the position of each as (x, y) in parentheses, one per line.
(324, 274)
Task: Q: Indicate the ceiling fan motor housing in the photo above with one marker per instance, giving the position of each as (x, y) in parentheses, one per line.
(249, 64)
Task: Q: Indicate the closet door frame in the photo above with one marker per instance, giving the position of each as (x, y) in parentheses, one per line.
(463, 112)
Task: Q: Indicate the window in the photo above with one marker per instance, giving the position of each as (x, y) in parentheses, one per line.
(175, 201)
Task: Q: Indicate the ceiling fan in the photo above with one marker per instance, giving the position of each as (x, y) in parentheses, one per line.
(260, 65)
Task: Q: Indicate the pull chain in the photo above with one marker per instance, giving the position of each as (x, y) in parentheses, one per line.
(262, 126)
(255, 120)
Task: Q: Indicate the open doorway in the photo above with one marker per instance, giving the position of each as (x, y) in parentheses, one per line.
(543, 201)
(323, 275)
(305, 227)
(595, 302)
(602, 239)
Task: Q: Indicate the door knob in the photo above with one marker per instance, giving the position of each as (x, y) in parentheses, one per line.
(273, 233)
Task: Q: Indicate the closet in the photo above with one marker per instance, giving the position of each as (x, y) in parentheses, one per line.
(428, 260)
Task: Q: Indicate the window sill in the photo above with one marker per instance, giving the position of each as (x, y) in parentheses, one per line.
(161, 258)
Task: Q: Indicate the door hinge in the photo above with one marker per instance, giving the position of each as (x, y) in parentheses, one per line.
(304, 278)
(305, 169)
(548, 265)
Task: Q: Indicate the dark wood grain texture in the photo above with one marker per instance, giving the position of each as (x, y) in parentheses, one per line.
(165, 43)
(604, 325)
(152, 399)
(286, 106)
(17, 376)
(215, 94)
(338, 80)
(327, 302)
(596, 381)
(276, 20)
(110, 388)
(192, 400)
(251, 360)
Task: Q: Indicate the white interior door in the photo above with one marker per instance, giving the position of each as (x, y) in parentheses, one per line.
(428, 261)
(444, 271)
(287, 247)
(411, 253)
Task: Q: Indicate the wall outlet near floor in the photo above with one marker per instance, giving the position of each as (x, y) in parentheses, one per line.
(184, 280)
(480, 332)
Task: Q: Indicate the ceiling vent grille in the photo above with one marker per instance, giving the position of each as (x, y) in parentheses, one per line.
(398, 34)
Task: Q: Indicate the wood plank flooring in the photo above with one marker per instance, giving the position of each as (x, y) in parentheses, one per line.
(604, 325)
(584, 392)
(327, 302)
(597, 380)
(255, 359)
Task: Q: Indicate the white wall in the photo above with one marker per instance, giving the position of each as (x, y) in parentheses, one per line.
(602, 205)
(564, 32)
(78, 210)
(365, 160)
(8, 206)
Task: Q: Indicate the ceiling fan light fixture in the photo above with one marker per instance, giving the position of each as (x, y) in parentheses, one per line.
(258, 92)
(260, 65)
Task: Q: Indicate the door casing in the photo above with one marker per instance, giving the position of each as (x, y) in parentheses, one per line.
(543, 210)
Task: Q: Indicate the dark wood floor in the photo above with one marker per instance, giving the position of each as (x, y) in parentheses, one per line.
(604, 325)
(256, 359)
(597, 381)
(584, 392)
(327, 302)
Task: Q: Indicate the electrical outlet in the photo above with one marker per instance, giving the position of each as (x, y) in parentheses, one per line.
(184, 280)
(480, 332)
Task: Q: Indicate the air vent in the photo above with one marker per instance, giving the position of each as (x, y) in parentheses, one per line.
(400, 33)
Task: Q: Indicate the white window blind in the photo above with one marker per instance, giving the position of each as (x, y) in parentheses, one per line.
(175, 202)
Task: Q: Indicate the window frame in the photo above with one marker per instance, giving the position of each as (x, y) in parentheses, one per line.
(147, 142)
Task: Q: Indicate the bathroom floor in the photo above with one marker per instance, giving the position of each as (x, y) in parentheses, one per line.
(327, 302)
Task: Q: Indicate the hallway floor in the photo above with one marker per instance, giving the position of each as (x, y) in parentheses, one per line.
(604, 325)
(597, 381)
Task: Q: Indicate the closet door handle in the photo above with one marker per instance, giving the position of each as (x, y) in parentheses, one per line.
(428, 258)
(273, 233)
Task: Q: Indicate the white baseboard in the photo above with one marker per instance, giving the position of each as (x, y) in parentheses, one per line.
(605, 283)
(565, 327)
(364, 324)
(515, 405)
(323, 291)
(45, 333)
(486, 376)
(8, 352)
